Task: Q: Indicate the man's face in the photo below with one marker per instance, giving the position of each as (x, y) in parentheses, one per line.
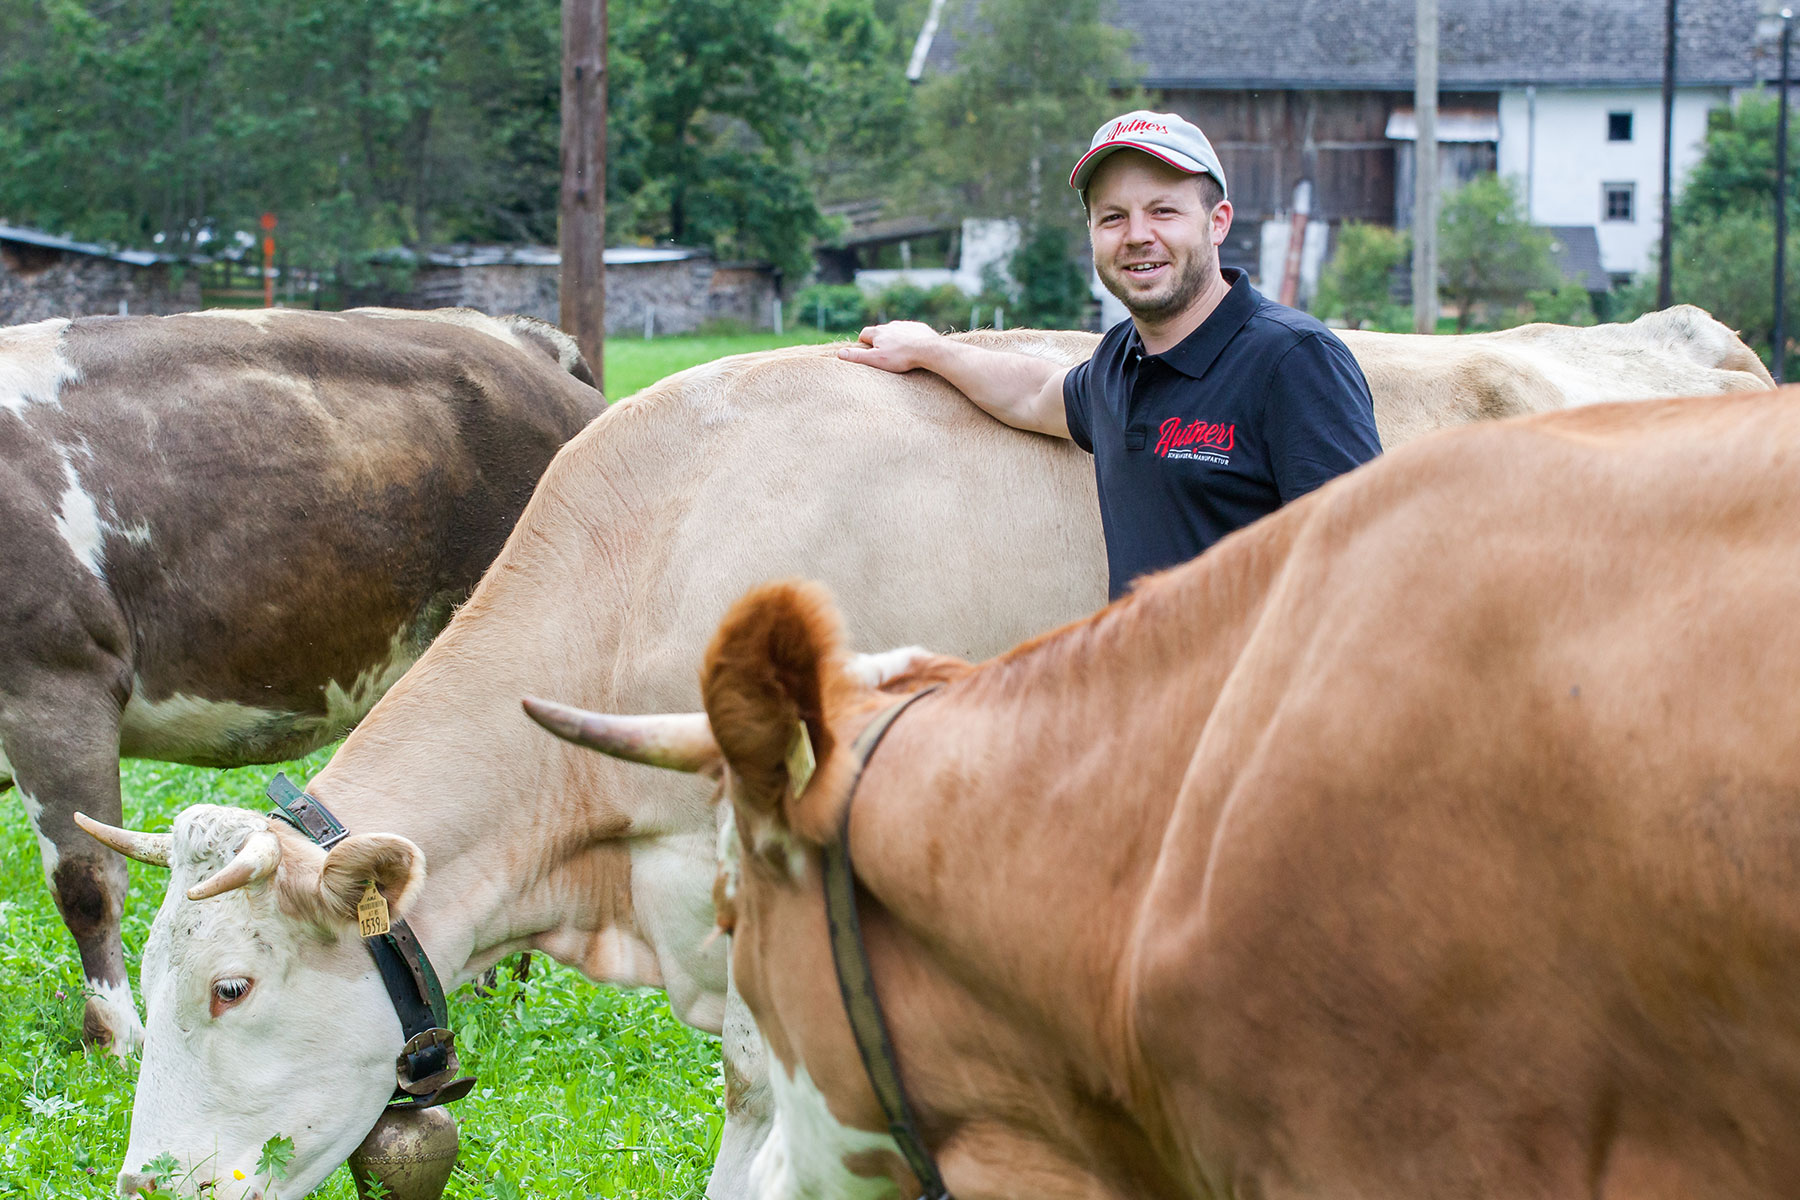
(1155, 242)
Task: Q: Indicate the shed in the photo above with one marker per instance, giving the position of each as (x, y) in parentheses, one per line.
(43, 275)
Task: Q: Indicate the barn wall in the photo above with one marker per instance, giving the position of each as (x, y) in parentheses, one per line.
(1268, 141)
(37, 283)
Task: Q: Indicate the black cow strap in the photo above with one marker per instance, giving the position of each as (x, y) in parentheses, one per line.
(856, 981)
(427, 1064)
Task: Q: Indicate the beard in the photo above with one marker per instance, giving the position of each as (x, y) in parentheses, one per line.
(1189, 279)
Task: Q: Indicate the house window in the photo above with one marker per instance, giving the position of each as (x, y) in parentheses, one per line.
(1618, 127)
(1620, 201)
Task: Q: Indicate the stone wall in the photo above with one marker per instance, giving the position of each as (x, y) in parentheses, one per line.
(677, 296)
(37, 283)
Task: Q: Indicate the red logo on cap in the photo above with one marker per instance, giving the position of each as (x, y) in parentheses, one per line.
(1136, 126)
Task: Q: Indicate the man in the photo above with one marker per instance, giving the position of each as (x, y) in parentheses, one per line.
(1212, 406)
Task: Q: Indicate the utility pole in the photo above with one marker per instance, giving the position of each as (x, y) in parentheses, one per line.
(1666, 260)
(1781, 148)
(582, 283)
(1425, 172)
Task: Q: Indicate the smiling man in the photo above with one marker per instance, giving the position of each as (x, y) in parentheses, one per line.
(1212, 406)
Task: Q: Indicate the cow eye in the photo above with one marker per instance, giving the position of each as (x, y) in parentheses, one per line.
(227, 992)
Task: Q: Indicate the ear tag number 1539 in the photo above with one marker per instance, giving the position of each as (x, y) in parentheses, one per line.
(372, 912)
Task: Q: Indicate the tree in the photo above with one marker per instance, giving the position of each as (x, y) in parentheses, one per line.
(1487, 254)
(866, 122)
(713, 105)
(1736, 171)
(1357, 284)
(1030, 87)
(1051, 292)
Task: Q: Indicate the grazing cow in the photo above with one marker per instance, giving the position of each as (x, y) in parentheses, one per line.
(1437, 836)
(933, 522)
(226, 534)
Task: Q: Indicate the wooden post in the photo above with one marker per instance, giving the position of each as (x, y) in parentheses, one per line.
(582, 283)
(1425, 172)
(1665, 262)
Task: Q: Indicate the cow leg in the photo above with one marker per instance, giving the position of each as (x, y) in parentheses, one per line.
(67, 761)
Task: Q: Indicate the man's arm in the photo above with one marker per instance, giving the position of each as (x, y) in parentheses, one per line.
(1024, 392)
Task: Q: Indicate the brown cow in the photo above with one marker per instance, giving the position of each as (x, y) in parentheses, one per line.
(1437, 836)
(225, 534)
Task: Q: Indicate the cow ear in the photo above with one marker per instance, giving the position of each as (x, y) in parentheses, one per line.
(393, 863)
(772, 677)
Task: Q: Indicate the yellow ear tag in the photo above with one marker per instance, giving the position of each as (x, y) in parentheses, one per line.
(372, 912)
(800, 761)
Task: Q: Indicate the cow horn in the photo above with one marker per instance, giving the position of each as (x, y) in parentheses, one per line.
(256, 859)
(152, 848)
(678, 741)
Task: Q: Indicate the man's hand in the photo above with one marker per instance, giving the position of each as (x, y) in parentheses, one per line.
(1023, 391)
(898, 346)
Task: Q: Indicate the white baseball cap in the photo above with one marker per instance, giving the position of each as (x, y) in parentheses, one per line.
(1172, 139)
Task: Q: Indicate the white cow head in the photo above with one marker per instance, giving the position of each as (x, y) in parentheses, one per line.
(267, 1017)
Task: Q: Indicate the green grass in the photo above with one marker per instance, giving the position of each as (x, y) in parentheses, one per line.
(584, 1090)
(633, 364)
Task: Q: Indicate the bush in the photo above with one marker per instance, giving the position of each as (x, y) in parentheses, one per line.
(1357, 283)
(944, 308)
(1569, 304)
(1488, 255)
(836, 306)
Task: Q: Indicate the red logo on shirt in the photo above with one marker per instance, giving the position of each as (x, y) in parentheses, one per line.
(1195, 436)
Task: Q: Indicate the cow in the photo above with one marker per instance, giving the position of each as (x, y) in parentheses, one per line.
(1436, 836)
(935, 525)
(227, 533)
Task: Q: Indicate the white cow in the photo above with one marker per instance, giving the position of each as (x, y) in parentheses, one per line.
(932, 523)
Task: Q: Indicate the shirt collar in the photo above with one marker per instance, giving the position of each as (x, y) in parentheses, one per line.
(1196, 352)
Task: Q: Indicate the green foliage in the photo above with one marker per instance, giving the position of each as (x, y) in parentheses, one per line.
(1726, 265)
(944, 307)
(1357, 284)
(1052, 291)
(714, 102)
(1004, 128)
(1488, 254)
(1736, 171)
(1568, 304)
(835, 306)
(865, 126)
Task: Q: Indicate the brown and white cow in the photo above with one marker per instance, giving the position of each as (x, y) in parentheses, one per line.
(934, 524)
(1437, 836)
(226, 534)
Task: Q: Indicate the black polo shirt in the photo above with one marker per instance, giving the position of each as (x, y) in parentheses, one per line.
(1257, 406)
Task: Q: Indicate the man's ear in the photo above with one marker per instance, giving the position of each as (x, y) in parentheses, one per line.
(767, 682)
(393, 863)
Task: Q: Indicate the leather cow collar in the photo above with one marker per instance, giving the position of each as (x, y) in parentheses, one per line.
(856, 981)
(427, 1066)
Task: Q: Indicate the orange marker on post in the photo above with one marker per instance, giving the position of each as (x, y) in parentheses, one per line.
(268, 224)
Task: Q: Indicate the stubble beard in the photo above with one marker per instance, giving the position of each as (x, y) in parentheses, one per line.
(1195, 273)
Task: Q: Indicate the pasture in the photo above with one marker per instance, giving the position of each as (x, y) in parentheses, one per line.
(584, 1091)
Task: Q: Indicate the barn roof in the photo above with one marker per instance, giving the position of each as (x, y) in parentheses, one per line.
(1369, 44)
(50, 241)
